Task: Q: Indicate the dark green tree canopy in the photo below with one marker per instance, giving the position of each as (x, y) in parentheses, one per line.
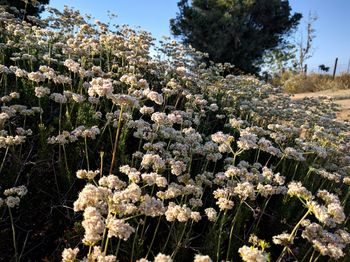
(24, 7)
(234, 31)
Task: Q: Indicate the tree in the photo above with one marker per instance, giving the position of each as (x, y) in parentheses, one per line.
(304, 47)
(24, 7)
(278, 60)
(323, 68)
(234, 31)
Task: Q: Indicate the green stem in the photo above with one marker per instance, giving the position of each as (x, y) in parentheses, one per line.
(106, 246)
(118, 246)
(116, 140)
(41, 113)
(13, 235)
(3, 160)
(262, 213)
(179, 242)
(220, 234)
(87, 154)
(168, 238)
(134, 242)
(257, 156)
(231, 231)
(154, 236)
(65, 159)
(292, 234)
(279, 162)
(343, 202)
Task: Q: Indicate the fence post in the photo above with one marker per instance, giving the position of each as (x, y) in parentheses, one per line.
(335, 67)
(348, 67)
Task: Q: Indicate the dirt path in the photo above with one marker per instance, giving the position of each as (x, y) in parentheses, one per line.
(342, 98)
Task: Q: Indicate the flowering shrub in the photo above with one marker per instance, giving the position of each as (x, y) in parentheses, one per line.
(138, 157)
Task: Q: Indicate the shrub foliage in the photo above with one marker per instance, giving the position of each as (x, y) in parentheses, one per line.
(110, 153)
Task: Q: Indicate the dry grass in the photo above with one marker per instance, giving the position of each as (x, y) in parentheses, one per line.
(296, 83)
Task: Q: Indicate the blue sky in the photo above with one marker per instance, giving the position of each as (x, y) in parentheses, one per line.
(332, 27)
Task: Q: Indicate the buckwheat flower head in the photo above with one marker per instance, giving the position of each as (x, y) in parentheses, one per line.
(155, 97)
(58, 98)
(213, 107)
(172, 212)
(91, 196)
(244, 190)
(69, 255)
(93, 225)
(143, 260)
(90, 175)
(150, 206)
(124, 100)
(72, 65)
(162, 258)
(236, 123)
(19, 191)
(143, 83)
(112, 182)
(150, 178)
(99, 256)
(41, 91)
(292, 153)
(221, 138)
(346, 181)
(91, 132)
(68, 94)
(184, 214)
(195, 202)
(12, 201)
(119, 228)
(252, 254)
(36, 77)
(247, 140)
(94, 100)
(177, 167)
(328, 175)
(224, 203)
(268, 190)
(131, 193)
(157, 163)
(264, 144)
(196, 216)
(327, 243)
(78, 98)
(20, 72)
(101, 87)
(129, 79)
(202, 258)
(232, 171)
(336, 212)
(327, 197)
(4, 117)
(22, 132)
(132, 173)
(282, 239)
(297, 189)
(159, 118)
(145, 110)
